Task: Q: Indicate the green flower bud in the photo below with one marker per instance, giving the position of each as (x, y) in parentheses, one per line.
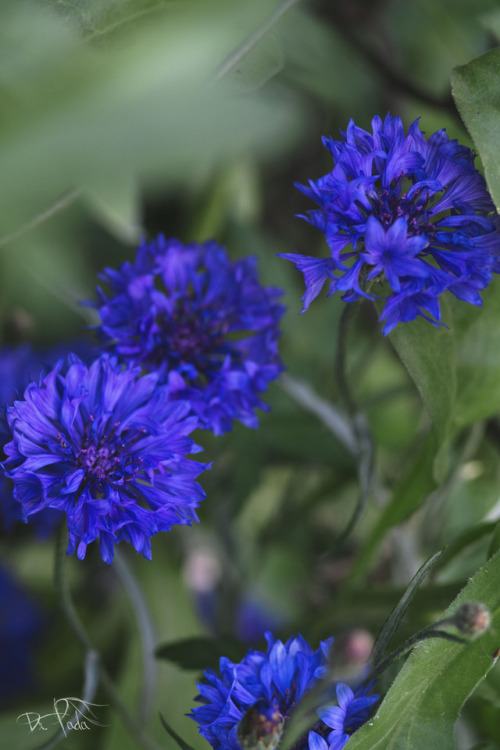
(472, 619)
(261, 727)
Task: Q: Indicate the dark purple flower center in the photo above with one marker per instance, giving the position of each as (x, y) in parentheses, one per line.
(98, 461)
(390, 205)
(106, 457)
(198, 337)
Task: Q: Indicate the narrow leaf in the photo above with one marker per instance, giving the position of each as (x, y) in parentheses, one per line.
(201, 653)
(391, 624)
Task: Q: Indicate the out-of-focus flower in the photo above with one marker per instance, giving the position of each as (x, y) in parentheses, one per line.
(271, 685)
(108, 448)
(400, 209)
(203, 576)
(202, 322)
(18, 365)
(20, 626)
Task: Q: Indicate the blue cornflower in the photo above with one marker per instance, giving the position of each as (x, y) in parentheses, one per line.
(108, 448)
(278, 680)
(202, 322)
(400, 209)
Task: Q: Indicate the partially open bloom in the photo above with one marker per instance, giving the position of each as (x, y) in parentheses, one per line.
(352, 710)
(200, 321)
(108, 448)
(401, 209)
(263, 690)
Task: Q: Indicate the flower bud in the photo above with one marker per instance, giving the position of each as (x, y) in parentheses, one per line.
(261, 727)
(472, 619)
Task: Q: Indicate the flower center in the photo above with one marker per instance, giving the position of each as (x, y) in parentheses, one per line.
(192, 337)
(106, 457)
(99, 462)
(391, 205)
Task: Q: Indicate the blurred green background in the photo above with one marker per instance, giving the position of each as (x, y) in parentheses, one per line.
(125, 118)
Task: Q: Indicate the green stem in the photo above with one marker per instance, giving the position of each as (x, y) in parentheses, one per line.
(146, 632)
(364, 447)
(341, 359)
(75, 623)
(422, 635)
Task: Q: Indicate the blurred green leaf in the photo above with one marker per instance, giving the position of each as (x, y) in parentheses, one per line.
(74, 113)
(478, 358)
(464, 540)
(201, 652)
(263, 62)
(115, 203)
(425, 700)
(429, 354)
(491, 21)
(495, 541)
(476, 90)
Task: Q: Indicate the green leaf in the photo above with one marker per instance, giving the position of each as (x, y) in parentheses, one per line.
(138, 102)
(425, 700)
(263, 62)
(478, 358)
(201, 652)
(495, 541)
(476, 90)
(464, 540)
(491, 21)
(115, 203)
(429, 354)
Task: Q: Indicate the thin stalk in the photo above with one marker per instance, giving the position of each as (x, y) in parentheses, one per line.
(146, 631)
(331, 417)
(76, 625)
(364, 446)
(341, 359)
(89, 690)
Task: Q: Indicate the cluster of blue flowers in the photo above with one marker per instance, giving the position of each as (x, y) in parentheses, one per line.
(251, 701)
(191, 341)
(400, 209)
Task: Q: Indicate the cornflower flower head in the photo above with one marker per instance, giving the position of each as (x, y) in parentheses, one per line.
(108, 448)
(251, 701)
(401, 209)
(203, 323)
